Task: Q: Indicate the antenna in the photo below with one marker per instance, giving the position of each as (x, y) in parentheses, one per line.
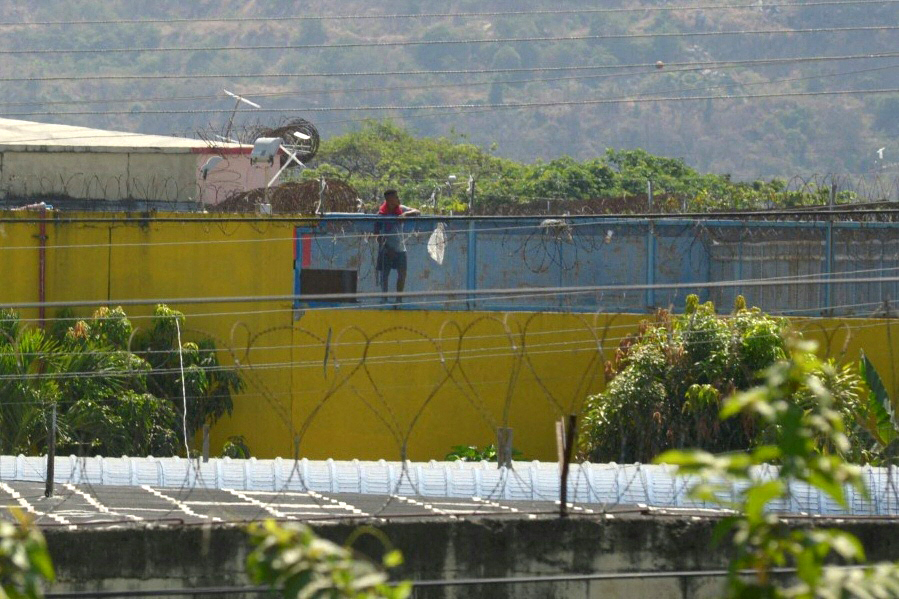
(238, 99)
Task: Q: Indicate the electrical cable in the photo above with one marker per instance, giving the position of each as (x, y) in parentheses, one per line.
(446, 42)
(479, 107)
(460, 85)
(472, 293)
(347, 74)
(458, 15)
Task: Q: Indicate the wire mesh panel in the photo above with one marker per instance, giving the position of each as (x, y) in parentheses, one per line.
(613, 264)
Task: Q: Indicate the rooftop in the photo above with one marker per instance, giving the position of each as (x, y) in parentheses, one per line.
(30, 136)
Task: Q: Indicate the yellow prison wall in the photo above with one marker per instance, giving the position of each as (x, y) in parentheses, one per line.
(346, 383)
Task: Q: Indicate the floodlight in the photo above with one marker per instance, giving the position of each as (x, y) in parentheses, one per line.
(209, 165)
(301, 135)
(265, 148)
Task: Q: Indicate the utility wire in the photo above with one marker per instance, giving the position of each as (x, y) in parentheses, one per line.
(464, 84)
(447, 42)
(343, 75)
(478, 354)
(472, 294)
(511, 13)
(476, 107)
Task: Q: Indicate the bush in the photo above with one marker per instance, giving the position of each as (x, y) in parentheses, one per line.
(665, 384)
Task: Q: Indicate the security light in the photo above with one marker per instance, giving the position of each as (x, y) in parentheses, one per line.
(265, 148)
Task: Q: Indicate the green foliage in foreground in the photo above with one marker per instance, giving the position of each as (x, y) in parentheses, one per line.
(116, 391)
(761, 541)
(293, 559)
(666, 384)
(24, 560)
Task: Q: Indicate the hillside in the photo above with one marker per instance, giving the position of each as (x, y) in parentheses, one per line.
(539, 97)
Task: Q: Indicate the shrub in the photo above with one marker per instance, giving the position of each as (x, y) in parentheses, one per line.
(665, 384)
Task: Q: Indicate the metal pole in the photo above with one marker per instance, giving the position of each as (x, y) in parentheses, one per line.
(566, 462)
(503, 447)
(206, 442)
(471, 274)
(51, 454)
(650, 264)
(828, 259)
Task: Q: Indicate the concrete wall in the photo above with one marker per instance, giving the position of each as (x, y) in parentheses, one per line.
(235, 173)
(171, 176)
(366, 383)
(175, 557)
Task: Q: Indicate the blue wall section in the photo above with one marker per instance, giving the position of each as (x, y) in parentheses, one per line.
(527, 252)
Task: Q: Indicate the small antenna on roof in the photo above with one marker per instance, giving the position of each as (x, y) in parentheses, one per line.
(236, 106)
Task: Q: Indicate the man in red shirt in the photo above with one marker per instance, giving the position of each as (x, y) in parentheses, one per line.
(391, 241)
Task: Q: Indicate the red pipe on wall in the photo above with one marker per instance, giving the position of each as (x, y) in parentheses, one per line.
(42, 267)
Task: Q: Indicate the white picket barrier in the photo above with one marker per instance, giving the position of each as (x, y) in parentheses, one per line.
(605, 485)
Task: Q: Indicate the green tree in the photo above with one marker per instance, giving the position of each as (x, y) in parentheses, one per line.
(761, 541)
(207, 385)
(28, 360)
(109, 400)
(665, 384)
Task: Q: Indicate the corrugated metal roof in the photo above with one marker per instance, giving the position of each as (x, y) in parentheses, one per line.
(18, 135)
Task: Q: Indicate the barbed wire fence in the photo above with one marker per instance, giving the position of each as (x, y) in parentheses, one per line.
(356, 365)
(319, 380)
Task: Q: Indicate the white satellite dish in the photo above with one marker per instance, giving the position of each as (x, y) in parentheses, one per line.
(209, 165)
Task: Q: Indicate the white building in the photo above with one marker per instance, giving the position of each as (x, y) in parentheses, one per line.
(63, 164)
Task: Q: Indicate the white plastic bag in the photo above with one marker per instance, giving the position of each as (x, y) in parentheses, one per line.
(437, 244)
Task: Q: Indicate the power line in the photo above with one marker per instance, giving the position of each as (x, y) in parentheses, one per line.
(422, 357)
(473, 294)
(415, 72)
(402, 43)
(655, 72)
(478, 83)
(477, 107)
(514, 13)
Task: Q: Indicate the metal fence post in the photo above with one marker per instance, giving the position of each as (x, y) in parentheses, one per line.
(650, 264)
(828, 253)
(51, 454)
(471, 274)
(503, 447)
